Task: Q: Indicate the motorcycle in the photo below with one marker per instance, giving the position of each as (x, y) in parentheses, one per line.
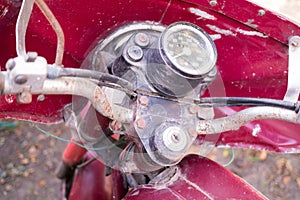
(148, 88)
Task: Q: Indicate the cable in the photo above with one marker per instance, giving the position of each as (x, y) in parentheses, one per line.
(74, 142)
(245, 101)
(55, 72)
(57, 29)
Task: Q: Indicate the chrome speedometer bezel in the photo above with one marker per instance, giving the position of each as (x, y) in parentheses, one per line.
(198, 34)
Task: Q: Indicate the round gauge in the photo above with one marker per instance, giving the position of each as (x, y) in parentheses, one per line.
(188, 49)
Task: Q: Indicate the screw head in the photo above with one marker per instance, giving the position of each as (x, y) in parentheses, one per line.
(295, 44)
(141, 123)
(41, 97)
(10, 64)
(213, 2)
(261, 12)
(20, 79)
(135, 53)
(25, 97)
(144, 101)
(141, 39)
(31, 56)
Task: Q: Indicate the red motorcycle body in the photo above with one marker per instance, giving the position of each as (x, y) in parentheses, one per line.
(252, 46)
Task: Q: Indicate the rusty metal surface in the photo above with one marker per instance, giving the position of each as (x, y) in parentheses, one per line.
(57, 29)
(89, 90)
(235, 121)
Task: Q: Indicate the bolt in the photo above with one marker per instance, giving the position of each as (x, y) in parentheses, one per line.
(261, 12)
(10, 64)
(141, 39)
(115, 125)
(41, 97)
(20, 79)
(141, 123)
(144, 101)
(213, 2)
(135, 53)
(295, 44)
(25, 97)
(31, 56)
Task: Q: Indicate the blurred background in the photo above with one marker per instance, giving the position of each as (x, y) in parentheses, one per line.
(28, 158)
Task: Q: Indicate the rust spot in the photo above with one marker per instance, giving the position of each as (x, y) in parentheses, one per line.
(141, 123)
(144, 101)
(67, 83)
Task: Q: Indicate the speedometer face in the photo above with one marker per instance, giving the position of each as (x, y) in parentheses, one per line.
(188, 49)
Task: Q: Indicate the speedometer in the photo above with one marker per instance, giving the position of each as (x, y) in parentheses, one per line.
(188, 49)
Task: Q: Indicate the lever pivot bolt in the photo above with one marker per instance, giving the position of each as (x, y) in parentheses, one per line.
(20, 79)
(10, 64)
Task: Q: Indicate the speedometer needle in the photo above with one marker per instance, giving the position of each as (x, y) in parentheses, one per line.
(185, 51)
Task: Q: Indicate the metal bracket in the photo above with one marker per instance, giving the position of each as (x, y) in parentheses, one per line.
(293, 89)
(25, 77)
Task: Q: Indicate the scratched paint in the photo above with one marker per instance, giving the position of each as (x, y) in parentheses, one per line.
(202, 14)
(251, 33)
(256, 130)
(215, 36)
(4, 12)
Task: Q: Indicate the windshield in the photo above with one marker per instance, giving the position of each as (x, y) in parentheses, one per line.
(288, 8)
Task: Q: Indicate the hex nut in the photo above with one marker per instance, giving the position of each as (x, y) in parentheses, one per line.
(144, 101)
(141, 123)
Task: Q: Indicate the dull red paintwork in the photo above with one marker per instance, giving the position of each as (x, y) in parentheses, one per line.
(91, 183)
(249, 14)
(251, 63)
(195, 181)
(73, 154)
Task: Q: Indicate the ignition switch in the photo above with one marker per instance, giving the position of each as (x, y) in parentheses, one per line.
(170, 141)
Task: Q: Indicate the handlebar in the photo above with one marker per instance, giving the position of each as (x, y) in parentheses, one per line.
(85, 88)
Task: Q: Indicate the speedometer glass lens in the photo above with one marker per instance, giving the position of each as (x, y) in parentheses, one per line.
(188, 49)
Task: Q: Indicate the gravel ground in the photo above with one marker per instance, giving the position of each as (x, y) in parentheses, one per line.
(27, 162)
(29, 158)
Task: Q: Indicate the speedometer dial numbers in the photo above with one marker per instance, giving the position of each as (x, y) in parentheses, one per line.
(188, 50)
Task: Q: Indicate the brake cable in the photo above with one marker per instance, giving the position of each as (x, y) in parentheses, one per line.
(112, 81)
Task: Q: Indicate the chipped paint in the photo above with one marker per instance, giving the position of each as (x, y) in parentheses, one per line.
(4, 12)
(250, 22)
(219, 30)
(195, 186)
(215, 36)
(202, 14)
(251, 33)
(256, 130)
